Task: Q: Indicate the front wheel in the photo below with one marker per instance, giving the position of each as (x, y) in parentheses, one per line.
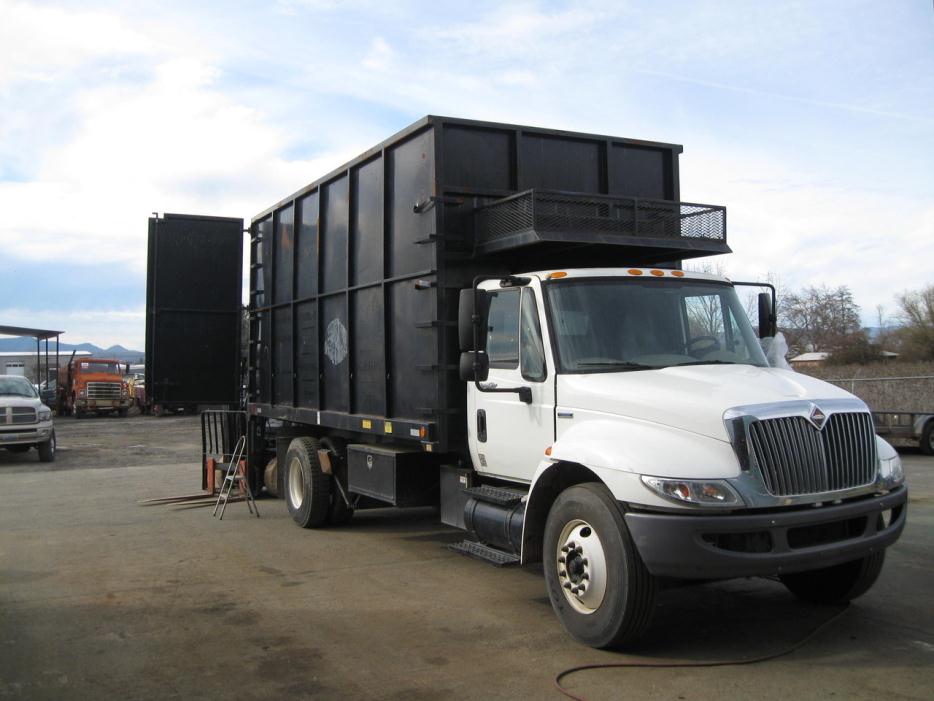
(47, 449)
(837, 584)
(598, 585)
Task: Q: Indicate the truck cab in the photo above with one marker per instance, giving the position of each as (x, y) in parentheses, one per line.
(636, 410)
(93, 385)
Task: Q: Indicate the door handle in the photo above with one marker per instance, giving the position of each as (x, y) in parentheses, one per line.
(481, 425)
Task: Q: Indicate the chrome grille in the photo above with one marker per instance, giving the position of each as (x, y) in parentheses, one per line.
(103, 390)
(795, 457)
(22, 415)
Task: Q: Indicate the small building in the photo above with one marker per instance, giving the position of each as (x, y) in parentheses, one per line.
(814, 359)
(24, 362)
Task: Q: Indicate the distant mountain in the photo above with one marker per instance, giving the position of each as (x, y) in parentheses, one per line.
(25, 344)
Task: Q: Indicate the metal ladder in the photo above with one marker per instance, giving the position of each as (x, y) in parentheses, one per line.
(235, 475)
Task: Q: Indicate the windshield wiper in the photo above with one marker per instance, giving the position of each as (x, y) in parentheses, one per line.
(624, 364)
(709, 362)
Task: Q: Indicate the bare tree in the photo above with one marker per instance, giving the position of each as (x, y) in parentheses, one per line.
(820, 318)
(916, 312)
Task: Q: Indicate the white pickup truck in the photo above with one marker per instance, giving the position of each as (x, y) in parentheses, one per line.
(25, 422)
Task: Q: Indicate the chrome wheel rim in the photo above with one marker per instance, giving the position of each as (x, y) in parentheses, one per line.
(296, 483)
(581, 566)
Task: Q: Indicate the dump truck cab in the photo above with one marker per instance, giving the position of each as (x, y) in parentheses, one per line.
(644, 394)
(93, 385)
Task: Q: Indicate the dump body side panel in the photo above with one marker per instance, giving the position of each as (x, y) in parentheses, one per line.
(193, 304)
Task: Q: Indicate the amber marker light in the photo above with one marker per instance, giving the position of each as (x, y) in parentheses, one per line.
(678, 273)
(634, 271)
(548, 451)
(422, 432)
(557, 275)
(658, 273)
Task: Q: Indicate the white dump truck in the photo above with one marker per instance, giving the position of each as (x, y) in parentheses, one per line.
(495, 319)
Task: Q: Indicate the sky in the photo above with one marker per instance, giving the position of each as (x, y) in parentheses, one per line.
(812, 122)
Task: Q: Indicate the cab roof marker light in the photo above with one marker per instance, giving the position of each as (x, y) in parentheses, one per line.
(658, 273)
(557, 275)
(678, 273)
(634, 271)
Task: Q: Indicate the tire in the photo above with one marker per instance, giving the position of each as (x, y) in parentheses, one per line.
(927, 438)
(339, 513)
(838, 584)
(307, 488)
(47, 449)
(75, 409)
(619, 592)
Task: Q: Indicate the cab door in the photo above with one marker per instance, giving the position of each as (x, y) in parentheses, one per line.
(508, 437)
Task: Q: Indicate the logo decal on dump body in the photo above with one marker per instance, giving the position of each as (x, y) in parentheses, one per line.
(335, 342)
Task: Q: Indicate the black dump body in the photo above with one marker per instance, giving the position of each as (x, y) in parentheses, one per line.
(193, 289)
(355, 279)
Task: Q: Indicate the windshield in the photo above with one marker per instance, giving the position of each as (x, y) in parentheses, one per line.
(613, 325)
(15, 386)
(110, 368)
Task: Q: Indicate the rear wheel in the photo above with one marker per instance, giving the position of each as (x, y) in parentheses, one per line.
(838, 584)
(597, 583)
(307, 488)
(927, 438)
(47, 449)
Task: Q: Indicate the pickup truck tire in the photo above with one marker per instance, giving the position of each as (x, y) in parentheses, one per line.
(339, 513)
(927, 438)
(47, 449)
(838, 584)
(598, 585)
(307, 488)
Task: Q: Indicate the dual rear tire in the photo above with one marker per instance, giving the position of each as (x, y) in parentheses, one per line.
(313, 496)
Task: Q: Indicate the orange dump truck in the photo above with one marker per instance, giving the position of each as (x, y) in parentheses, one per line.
(92, 385)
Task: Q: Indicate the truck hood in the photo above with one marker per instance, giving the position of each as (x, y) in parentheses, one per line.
(30, 402)
(691, 398)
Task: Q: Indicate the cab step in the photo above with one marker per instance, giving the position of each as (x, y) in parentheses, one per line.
(501, 496)
(498, 558)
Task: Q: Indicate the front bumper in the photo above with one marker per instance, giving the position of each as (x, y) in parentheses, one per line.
(105, 404)
(745, 545)
(26, 435)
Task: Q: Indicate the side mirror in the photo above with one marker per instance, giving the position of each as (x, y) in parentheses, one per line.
(474, 366)
(471, 310)
(766, 319)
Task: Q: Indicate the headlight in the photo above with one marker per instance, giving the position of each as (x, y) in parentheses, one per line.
(891, 472)
(695, 492)
(45, 414)
(81, 393)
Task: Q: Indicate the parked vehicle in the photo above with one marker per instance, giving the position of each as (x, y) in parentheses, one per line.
(494, 319)
(92, 385)
(910, 425)
(48, 393)
(25, 422)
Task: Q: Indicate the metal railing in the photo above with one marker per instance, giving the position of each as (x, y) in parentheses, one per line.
(221, 429)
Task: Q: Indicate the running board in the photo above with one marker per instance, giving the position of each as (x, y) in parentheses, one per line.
(495, 557)
(502, 496)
